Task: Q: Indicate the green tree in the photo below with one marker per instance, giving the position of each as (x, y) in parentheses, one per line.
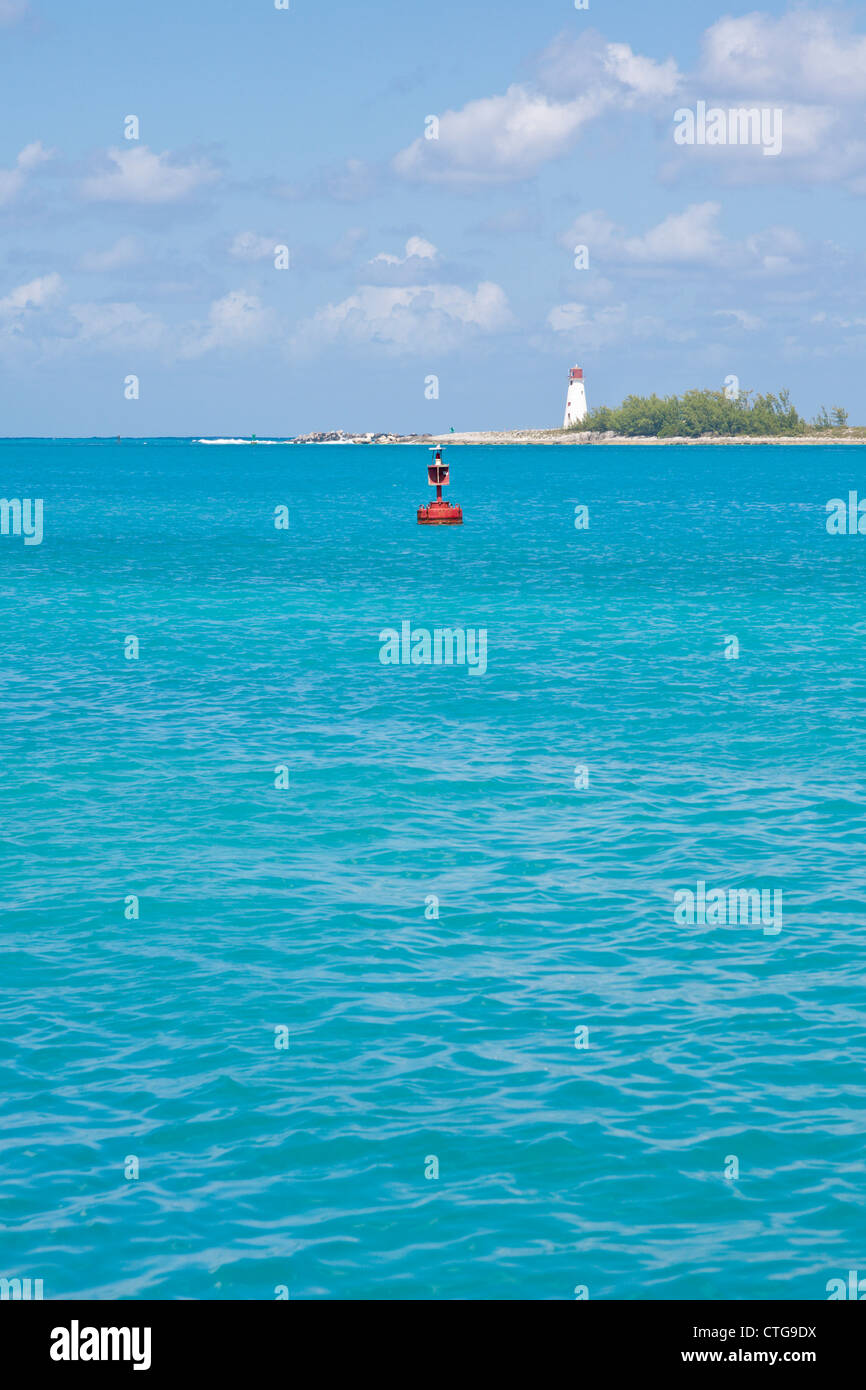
(699, 412)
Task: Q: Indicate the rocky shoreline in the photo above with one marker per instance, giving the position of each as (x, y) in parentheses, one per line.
(341, 437)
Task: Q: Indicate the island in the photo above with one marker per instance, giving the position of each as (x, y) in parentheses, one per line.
(696, 417)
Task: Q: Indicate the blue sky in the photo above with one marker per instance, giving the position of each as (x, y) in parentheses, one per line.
(413, 257)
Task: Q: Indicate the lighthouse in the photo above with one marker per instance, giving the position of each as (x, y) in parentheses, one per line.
(575, 401)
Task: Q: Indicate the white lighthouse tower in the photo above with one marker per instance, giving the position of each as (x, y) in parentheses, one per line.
(575, 401)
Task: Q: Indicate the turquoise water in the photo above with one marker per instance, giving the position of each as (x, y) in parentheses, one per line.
(412, 1037)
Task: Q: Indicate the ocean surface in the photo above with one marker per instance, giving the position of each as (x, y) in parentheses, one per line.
(703, 1138)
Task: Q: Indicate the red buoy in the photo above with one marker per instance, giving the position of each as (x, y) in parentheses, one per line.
(440, 512)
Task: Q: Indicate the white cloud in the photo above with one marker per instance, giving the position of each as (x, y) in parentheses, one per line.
(837, 320)
(419, 265)
(821, 143)
(409, 318)
(776, 249)
(33, 295)
(684, 237)
(238, 320)
(140, 176)
(118, 325)
(688, 238)
(803, 53)
(570, 67)
(495, 139)
(597, 328)
(124, 252)
(248, 246)
(641, 77)
(809, 65)
(416, 249)
(742, 317)
(510, 136)
(33, 155)
(12, 180)
(235, 322)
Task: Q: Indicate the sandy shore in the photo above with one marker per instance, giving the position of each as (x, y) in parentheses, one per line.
(570, 437)
(578, 437)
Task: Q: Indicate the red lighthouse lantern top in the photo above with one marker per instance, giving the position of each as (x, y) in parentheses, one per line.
(576, 374)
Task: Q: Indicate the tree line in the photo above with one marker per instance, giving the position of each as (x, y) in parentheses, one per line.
(699, 412)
